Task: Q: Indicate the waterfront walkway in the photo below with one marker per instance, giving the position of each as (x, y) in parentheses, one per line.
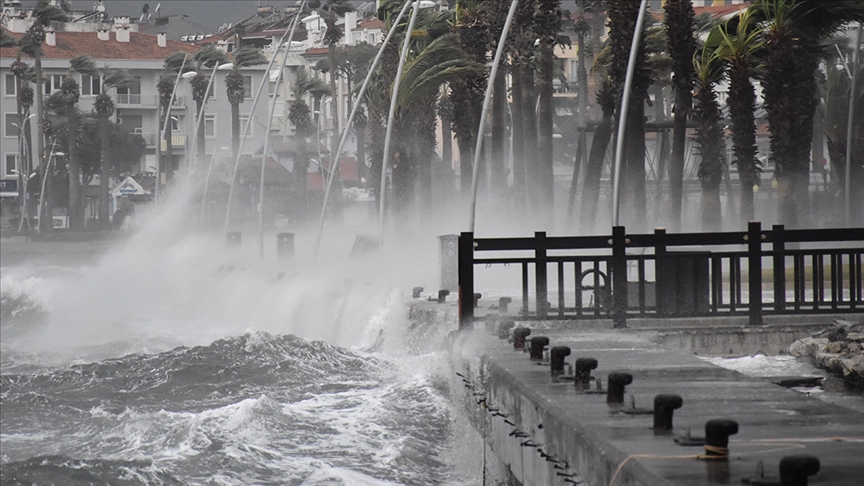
(546, 432)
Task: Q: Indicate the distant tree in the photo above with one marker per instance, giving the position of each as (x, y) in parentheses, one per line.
(599, 146)
(547, 25)
(97, 137)
(300, 115)
(739, 48)
(43, 15)
(708, 67)
(203, 63)
(331, 11)
(104, 108)
(680, 25)
(243, 57)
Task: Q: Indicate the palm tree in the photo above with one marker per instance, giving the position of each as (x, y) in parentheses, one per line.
(63, 102)
(243, 57)
(24, 76)
(300, 115)
(104, 108)
(739, 47)
(622, 21)
(599, 146)
(680, 21)
(793, 35)
(331, 11)
(470, 24)
(709, 131)
(547, 25)
(43, 15)
(521, 40)
(204, 61)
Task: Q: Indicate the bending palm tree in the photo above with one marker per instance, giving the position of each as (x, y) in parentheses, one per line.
(739, 47)
(300, 115)
(243, 57)
(104, 107)
(709, 131)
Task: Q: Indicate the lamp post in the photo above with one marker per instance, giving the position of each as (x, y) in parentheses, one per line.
(165, 126)
(416, 6)
(21, 172)
(207, 182)
(42, 193)
(199, 120)
(848, 183)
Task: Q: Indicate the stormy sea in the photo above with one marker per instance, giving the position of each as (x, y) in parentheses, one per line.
(174, 359)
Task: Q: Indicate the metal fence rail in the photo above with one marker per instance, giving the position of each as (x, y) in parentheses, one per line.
(751, 273)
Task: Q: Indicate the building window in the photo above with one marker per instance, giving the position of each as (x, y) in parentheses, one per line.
(90, 85)
(247, 86)
(53, 83)
(244, 119)
(11, 86)
(11, 164)
(130, 95)
(209, 126)
(11, 122)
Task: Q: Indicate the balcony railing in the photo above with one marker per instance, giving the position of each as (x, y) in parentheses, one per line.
(177, 140)
(146, 100)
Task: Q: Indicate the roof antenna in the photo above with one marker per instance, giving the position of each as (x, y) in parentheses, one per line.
(144, 12)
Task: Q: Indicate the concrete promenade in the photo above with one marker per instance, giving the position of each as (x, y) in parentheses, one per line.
(546, 432)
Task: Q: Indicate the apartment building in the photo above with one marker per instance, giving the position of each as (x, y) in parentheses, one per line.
(142, 55)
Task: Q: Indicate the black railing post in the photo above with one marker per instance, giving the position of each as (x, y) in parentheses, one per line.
(619, 276)
(542, 299)
(778, 247)
(466, 280)
(662, 291)
(754, 270)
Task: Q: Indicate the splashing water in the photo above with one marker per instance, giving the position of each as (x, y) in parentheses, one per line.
(178, 360)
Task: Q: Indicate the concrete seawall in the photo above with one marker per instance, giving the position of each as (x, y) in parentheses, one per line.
(543, 431)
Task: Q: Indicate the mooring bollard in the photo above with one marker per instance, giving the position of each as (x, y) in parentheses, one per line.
(717, 432)
(503, 302)
(537, 345)
(519, 335)
(477, 297)
(582, 374)
(504, 328)
(615, 386)
(664, 407)
(416, 291)
(285, 245)
(442, 296)
(556, 359)
(233, 238)
(794, 470)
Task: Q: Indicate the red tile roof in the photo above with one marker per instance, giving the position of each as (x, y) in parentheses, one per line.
(140, 46)
(369, 24)
(317, 51)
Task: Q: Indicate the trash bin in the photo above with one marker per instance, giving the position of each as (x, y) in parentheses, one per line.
(449, 258)
(683, 284)
(233, 238)
(285, 245)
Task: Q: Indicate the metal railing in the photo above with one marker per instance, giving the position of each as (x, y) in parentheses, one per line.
(623, 276)
(145, 100)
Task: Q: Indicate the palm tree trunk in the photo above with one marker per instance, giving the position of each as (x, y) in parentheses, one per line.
(545, 175)
(39, 154)
(499, 136)
(519, 178)
(635, 201)
(76, 201)
(529, 137)
(235, 129)
(200, 142)
(591, 184)
(104, 177)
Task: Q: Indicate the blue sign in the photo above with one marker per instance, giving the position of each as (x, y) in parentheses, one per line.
(9, 185)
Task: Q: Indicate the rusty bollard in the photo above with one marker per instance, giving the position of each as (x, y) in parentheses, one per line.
(504, 328)
(519, 335)
(582, 374)
(794, 470)
(717, 432)
(615, 387)
(556, 359)
(664, 407)
(537, 345)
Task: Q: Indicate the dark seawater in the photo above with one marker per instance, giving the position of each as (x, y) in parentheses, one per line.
(249, 409)
(108, 393)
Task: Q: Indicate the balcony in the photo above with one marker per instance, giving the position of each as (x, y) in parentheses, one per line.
(133, 100)
(177, 140)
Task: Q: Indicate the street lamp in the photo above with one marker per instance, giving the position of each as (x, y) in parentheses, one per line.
(180, 74)
(416, 6)
(21, 171)
(199, 120)
(207, 181)
(42, 193)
